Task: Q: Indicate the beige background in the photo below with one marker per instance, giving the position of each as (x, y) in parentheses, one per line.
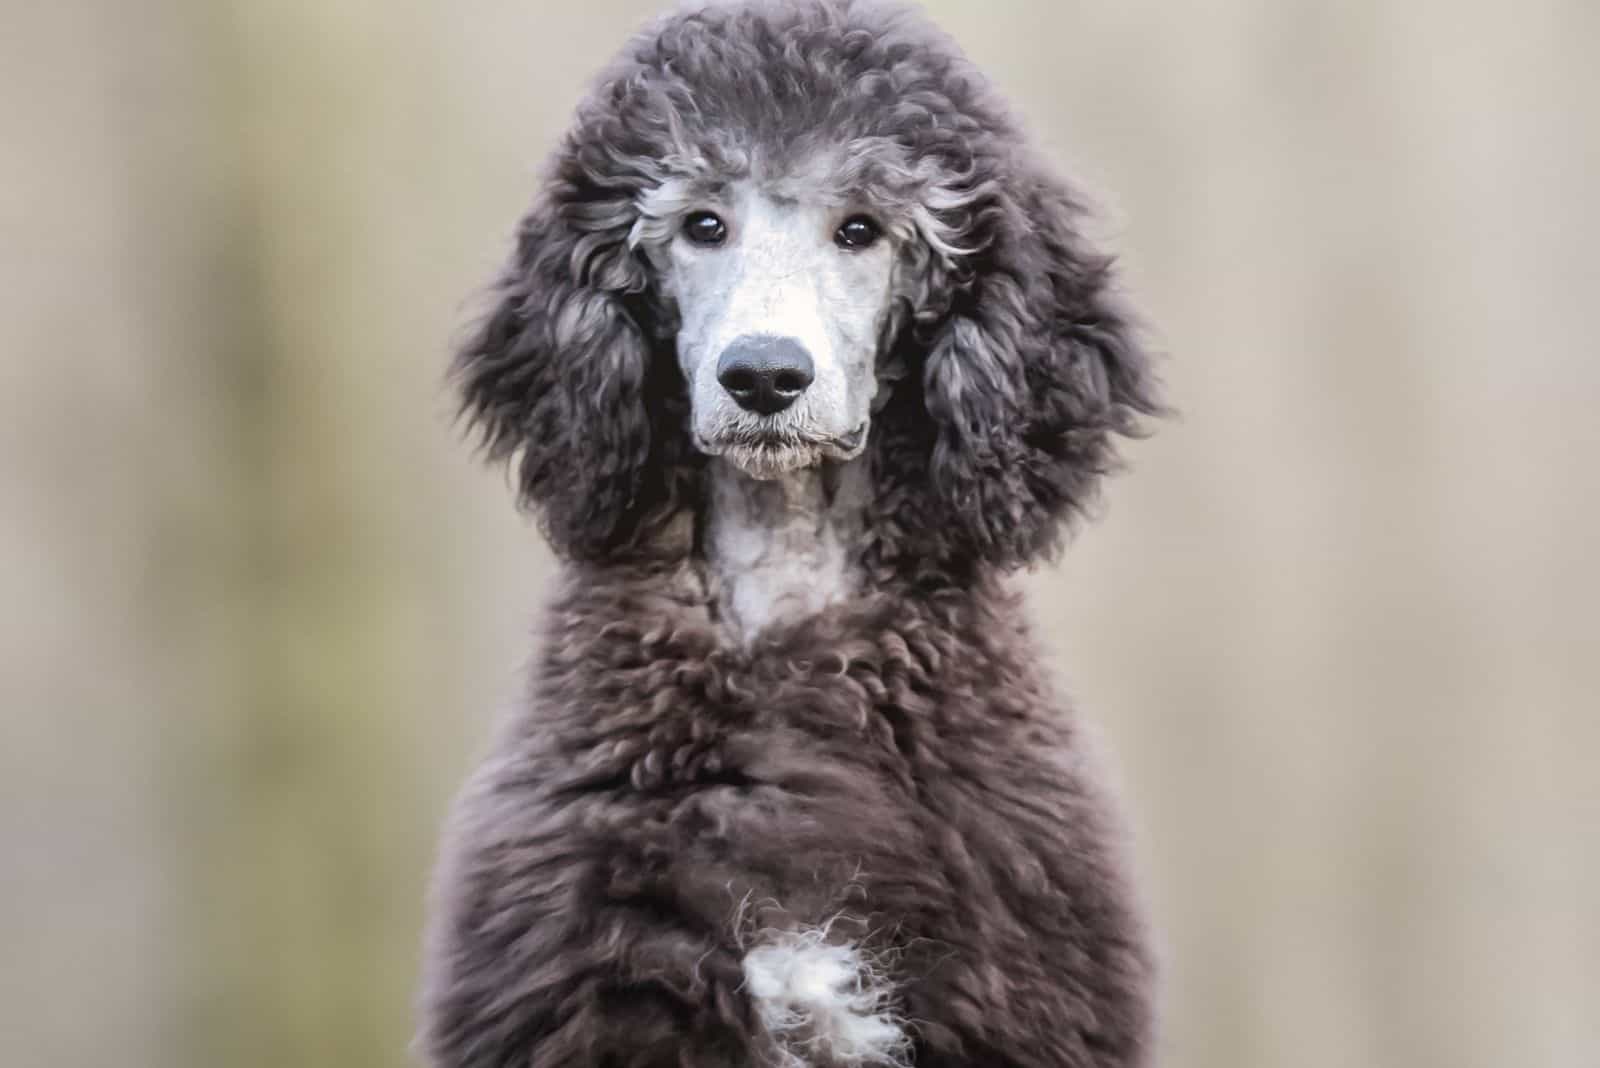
(1339, 624)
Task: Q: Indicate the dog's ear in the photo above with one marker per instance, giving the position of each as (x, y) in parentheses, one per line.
(558, 376)
(1031, 370)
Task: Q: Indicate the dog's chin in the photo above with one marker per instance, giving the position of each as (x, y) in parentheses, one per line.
(773, 457)
(765, 462)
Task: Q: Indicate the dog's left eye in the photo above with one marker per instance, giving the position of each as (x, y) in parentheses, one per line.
(704, 228)
(858, 231)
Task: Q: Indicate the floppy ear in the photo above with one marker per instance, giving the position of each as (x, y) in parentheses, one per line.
(560, 373)
(1033, 368)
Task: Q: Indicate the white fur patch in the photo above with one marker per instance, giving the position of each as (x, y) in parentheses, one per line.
(825, 1003)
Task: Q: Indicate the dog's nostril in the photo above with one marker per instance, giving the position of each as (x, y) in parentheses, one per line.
(791, 381)
(739, 380)
(763, 373)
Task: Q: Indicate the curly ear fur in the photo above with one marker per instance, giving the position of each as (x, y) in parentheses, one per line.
(561, 377)
(1033, 369)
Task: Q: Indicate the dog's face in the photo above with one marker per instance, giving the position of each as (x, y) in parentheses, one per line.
(781, 304)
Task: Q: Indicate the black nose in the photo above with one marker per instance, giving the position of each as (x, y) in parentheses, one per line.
(764, 373)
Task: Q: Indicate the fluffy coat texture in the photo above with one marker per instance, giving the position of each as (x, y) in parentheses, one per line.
(889, 777)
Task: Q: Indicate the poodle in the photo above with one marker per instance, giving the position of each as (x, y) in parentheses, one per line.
(800, 355)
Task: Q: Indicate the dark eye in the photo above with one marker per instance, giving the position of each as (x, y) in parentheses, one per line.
(858, 231)
(704, 228)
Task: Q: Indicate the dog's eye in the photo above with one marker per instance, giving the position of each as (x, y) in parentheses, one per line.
(858, 231)
(704, 228)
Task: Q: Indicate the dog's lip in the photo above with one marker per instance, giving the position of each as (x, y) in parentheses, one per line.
(851, 441)
(848, 443)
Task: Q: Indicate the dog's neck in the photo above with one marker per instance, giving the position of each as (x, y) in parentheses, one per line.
(782, 549)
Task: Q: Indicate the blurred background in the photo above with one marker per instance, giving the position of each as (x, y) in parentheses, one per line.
(1339, 623)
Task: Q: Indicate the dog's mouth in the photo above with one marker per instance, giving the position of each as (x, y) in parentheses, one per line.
(767, 454)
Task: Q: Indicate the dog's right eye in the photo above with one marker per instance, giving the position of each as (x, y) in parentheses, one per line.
(704, 228)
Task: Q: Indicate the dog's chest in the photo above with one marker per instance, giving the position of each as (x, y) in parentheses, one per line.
(790, 757)
(859, 788)
(846, 749)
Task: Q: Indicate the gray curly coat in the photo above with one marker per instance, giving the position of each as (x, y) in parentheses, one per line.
(890, 774)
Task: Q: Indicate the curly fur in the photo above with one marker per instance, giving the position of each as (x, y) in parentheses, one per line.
(893, 767)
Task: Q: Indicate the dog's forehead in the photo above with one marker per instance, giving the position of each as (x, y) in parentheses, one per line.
(776, 210)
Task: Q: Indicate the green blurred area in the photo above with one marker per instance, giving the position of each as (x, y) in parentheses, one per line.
(1338, 624)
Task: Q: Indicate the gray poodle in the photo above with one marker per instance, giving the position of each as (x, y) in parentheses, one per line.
(799, 355)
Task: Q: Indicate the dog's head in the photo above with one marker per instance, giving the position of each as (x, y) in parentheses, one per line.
(800, 234)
